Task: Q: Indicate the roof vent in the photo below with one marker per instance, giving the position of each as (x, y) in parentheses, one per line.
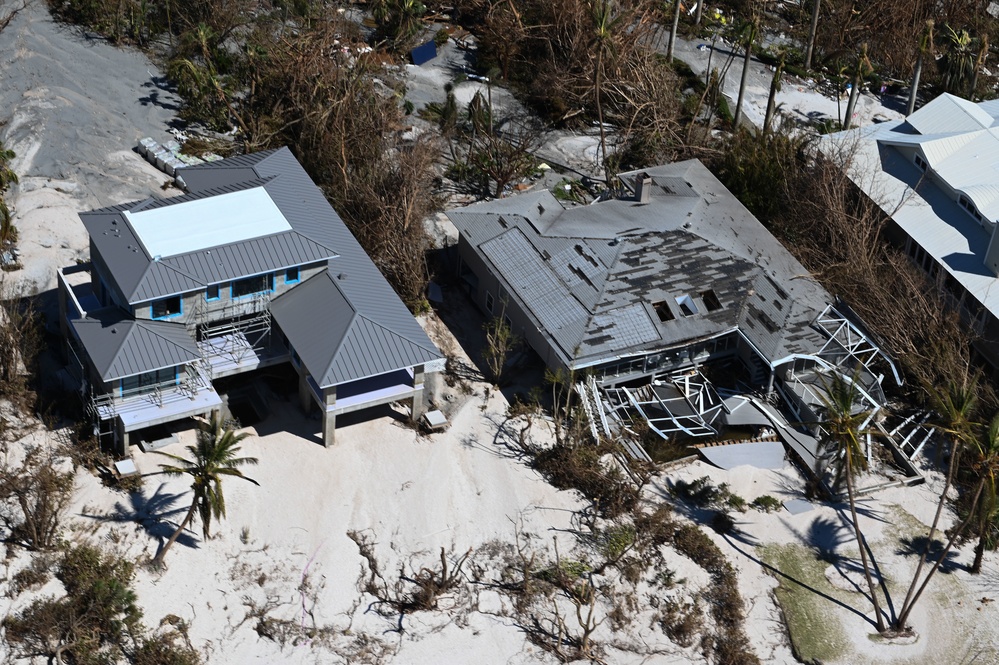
(114, 331)
(342, 275)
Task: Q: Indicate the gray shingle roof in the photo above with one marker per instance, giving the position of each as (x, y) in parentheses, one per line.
(142, 277)
(592, 276)
(340, 341)
(119, 346)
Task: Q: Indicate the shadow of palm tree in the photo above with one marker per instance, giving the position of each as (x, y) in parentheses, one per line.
(914, 547)
(153, 513)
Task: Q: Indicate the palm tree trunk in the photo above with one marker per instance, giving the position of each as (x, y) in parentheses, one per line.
(914, 88)
(700, 10)
(742, 83)
(672, 33)
(158, 560)
(951, 470)
(852, 103)
(906, 609)
(860, 544)
(772, 99)
(600, 113)
(811, 35)
(976, 566)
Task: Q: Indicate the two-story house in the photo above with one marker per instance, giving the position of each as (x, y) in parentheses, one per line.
(935, 175)
(251, 267)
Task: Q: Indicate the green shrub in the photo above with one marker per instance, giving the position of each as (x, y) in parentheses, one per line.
(766, 504)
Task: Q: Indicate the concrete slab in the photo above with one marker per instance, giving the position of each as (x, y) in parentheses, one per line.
(798, 506)
(759, 454)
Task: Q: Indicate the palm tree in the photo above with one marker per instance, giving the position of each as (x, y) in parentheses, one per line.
(985, 518)
(956, 406)
(959, 62)
(749, 34)
(605, 24)
(672, 33)
(863, 69)
(984, 466)
(925, 47)
(842, 425)
(812, 30)
(215, 456)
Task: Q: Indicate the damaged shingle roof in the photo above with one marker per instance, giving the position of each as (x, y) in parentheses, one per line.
(608, 280)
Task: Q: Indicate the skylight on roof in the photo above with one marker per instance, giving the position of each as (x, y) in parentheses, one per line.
(686, 305)
(205, 223)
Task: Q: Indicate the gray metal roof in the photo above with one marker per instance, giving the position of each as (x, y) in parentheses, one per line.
(922, 205)
(120, 346)
(142, 277)
(346, 330)
(592, 277)
(340, 340)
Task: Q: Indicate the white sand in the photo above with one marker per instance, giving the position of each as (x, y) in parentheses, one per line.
(74, 108)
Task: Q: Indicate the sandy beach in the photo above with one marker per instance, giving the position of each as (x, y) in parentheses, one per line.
(281, 580)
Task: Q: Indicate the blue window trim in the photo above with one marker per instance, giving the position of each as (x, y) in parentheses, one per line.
(269, 289)
(298, 275)
(218, 291)
(180, 311)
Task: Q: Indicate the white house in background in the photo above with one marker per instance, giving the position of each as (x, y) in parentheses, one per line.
(935, 174)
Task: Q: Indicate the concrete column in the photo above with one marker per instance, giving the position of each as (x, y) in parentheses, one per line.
(417, 408)
(304, 392)
(329, 417)
(121, 443)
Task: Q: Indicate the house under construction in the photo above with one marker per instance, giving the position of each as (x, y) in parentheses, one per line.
(250, 268)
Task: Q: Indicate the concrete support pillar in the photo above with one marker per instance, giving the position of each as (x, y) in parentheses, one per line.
(418, 406)
(304, 392)
(329, 417)
(121, 438)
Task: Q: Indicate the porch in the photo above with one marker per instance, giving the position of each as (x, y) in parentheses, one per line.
(233, 353)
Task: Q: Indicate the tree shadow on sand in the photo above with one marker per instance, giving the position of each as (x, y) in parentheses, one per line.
(154, 513)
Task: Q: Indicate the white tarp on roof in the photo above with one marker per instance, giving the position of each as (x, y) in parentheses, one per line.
(208, 222)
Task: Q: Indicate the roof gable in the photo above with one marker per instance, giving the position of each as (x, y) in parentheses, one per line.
(339, 340)
(119, 346)
(299, 227)
(948, 113)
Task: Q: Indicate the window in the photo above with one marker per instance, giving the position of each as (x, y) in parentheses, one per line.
(291, 275)
(131, 384)
(920, 162)
(966, 203)
(167, 307)
(711, 301)
(663, 310)
(489, 302)
(252, 285)
(212, 292)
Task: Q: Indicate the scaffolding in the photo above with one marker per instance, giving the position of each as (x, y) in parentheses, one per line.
(231, 330)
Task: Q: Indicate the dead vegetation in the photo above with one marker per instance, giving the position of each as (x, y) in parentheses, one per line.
(419, 590)
(839, 236)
